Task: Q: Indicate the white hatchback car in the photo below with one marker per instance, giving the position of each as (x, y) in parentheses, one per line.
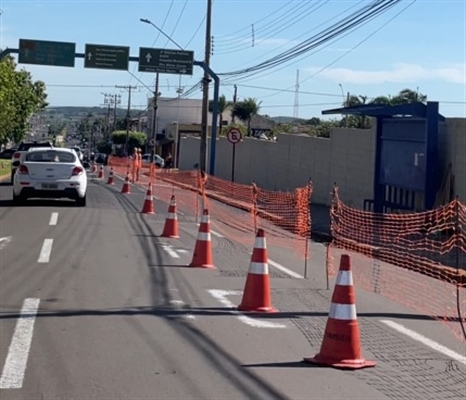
(50, 173)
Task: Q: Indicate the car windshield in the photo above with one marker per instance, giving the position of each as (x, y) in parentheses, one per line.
(51, 156)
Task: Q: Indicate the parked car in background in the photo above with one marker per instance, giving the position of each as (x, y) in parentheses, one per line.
(8, 153)
(159, 162)
(51, 173)
(78, 152)
(23, 148)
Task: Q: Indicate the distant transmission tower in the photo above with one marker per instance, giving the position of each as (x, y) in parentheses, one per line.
(296, 97)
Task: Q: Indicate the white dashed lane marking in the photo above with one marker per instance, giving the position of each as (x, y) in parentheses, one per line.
(45, 252)
(18, 352)
(53, 219)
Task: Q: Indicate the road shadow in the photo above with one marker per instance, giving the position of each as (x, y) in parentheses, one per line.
(169, 310)
(39, 203)
(5, 183)
(284, 364)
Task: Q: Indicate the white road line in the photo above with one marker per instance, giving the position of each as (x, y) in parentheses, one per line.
(4, 241)
(214, 233)
(18, 352)
(172, 253)
(425, 341)
(285, 270)
(221, 297)
(44, 256)
(53, 218)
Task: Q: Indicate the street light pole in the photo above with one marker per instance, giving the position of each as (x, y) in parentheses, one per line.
(179, 91)
(157, 78)
(205, 98)
(154, 119)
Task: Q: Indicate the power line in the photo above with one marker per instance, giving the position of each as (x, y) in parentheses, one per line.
(286, 23)
(347, 24)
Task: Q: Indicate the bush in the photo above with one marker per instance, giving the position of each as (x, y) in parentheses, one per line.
(136, 139)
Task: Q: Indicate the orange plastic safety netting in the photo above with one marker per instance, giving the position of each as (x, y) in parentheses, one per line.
(236, 210)
(416, 259)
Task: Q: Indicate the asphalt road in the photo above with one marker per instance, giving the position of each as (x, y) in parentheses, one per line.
(110, 311)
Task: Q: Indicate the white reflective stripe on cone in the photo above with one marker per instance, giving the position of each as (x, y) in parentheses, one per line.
(259, 268)
(205, 219)
(172, 216)
(260, 243)
(203, 236)
(345, 312)
(344, 278)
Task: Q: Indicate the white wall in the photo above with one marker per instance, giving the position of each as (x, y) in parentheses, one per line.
(185, 111)
(347, 159)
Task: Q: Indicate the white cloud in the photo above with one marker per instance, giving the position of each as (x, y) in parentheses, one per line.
(399, 73)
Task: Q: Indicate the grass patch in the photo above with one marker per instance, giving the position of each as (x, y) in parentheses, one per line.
(5, 167)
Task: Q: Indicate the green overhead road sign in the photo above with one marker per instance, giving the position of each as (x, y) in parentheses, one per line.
(41, 52)
(166, 61)
(101, 56)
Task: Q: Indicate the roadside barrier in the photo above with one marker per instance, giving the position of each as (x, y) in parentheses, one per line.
(341, 347)
(236, 210)
(416, 259)
(110, 180)
(170, 229)
(256, 293)
(148, 205)
(202, 256)
(126, 188)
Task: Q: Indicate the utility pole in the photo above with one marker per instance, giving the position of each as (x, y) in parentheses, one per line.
(205, 98)
(154, 118)
(128, 114)
(235, 99)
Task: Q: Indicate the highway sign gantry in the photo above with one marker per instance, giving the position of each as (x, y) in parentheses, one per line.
(43, 52)
(166, 61)
(101, 56)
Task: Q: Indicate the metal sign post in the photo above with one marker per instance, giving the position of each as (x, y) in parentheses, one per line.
(234, 136)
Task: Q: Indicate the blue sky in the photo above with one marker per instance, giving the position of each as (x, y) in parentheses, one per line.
(423, 47)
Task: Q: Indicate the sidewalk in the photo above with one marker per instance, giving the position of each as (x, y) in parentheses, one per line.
(320, 226)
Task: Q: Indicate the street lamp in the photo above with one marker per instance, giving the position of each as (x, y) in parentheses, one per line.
(146, 21)
(156, 91)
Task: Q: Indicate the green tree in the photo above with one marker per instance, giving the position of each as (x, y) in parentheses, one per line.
(136, 139)
(20, 97)
(244, 110)
(223, 105)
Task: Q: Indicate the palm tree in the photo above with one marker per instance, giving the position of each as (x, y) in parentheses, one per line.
(223, 105)
(408, 96)
(244, 110)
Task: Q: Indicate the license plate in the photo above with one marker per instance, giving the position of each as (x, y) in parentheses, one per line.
(49, 186)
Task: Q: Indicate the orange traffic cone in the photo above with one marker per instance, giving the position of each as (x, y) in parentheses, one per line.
(256, 294)
(126, 189)
(148, 206)
(170, 230)
(341, 347)
(101, 172)
(110, 180)
(202, 257)
(94, 167)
